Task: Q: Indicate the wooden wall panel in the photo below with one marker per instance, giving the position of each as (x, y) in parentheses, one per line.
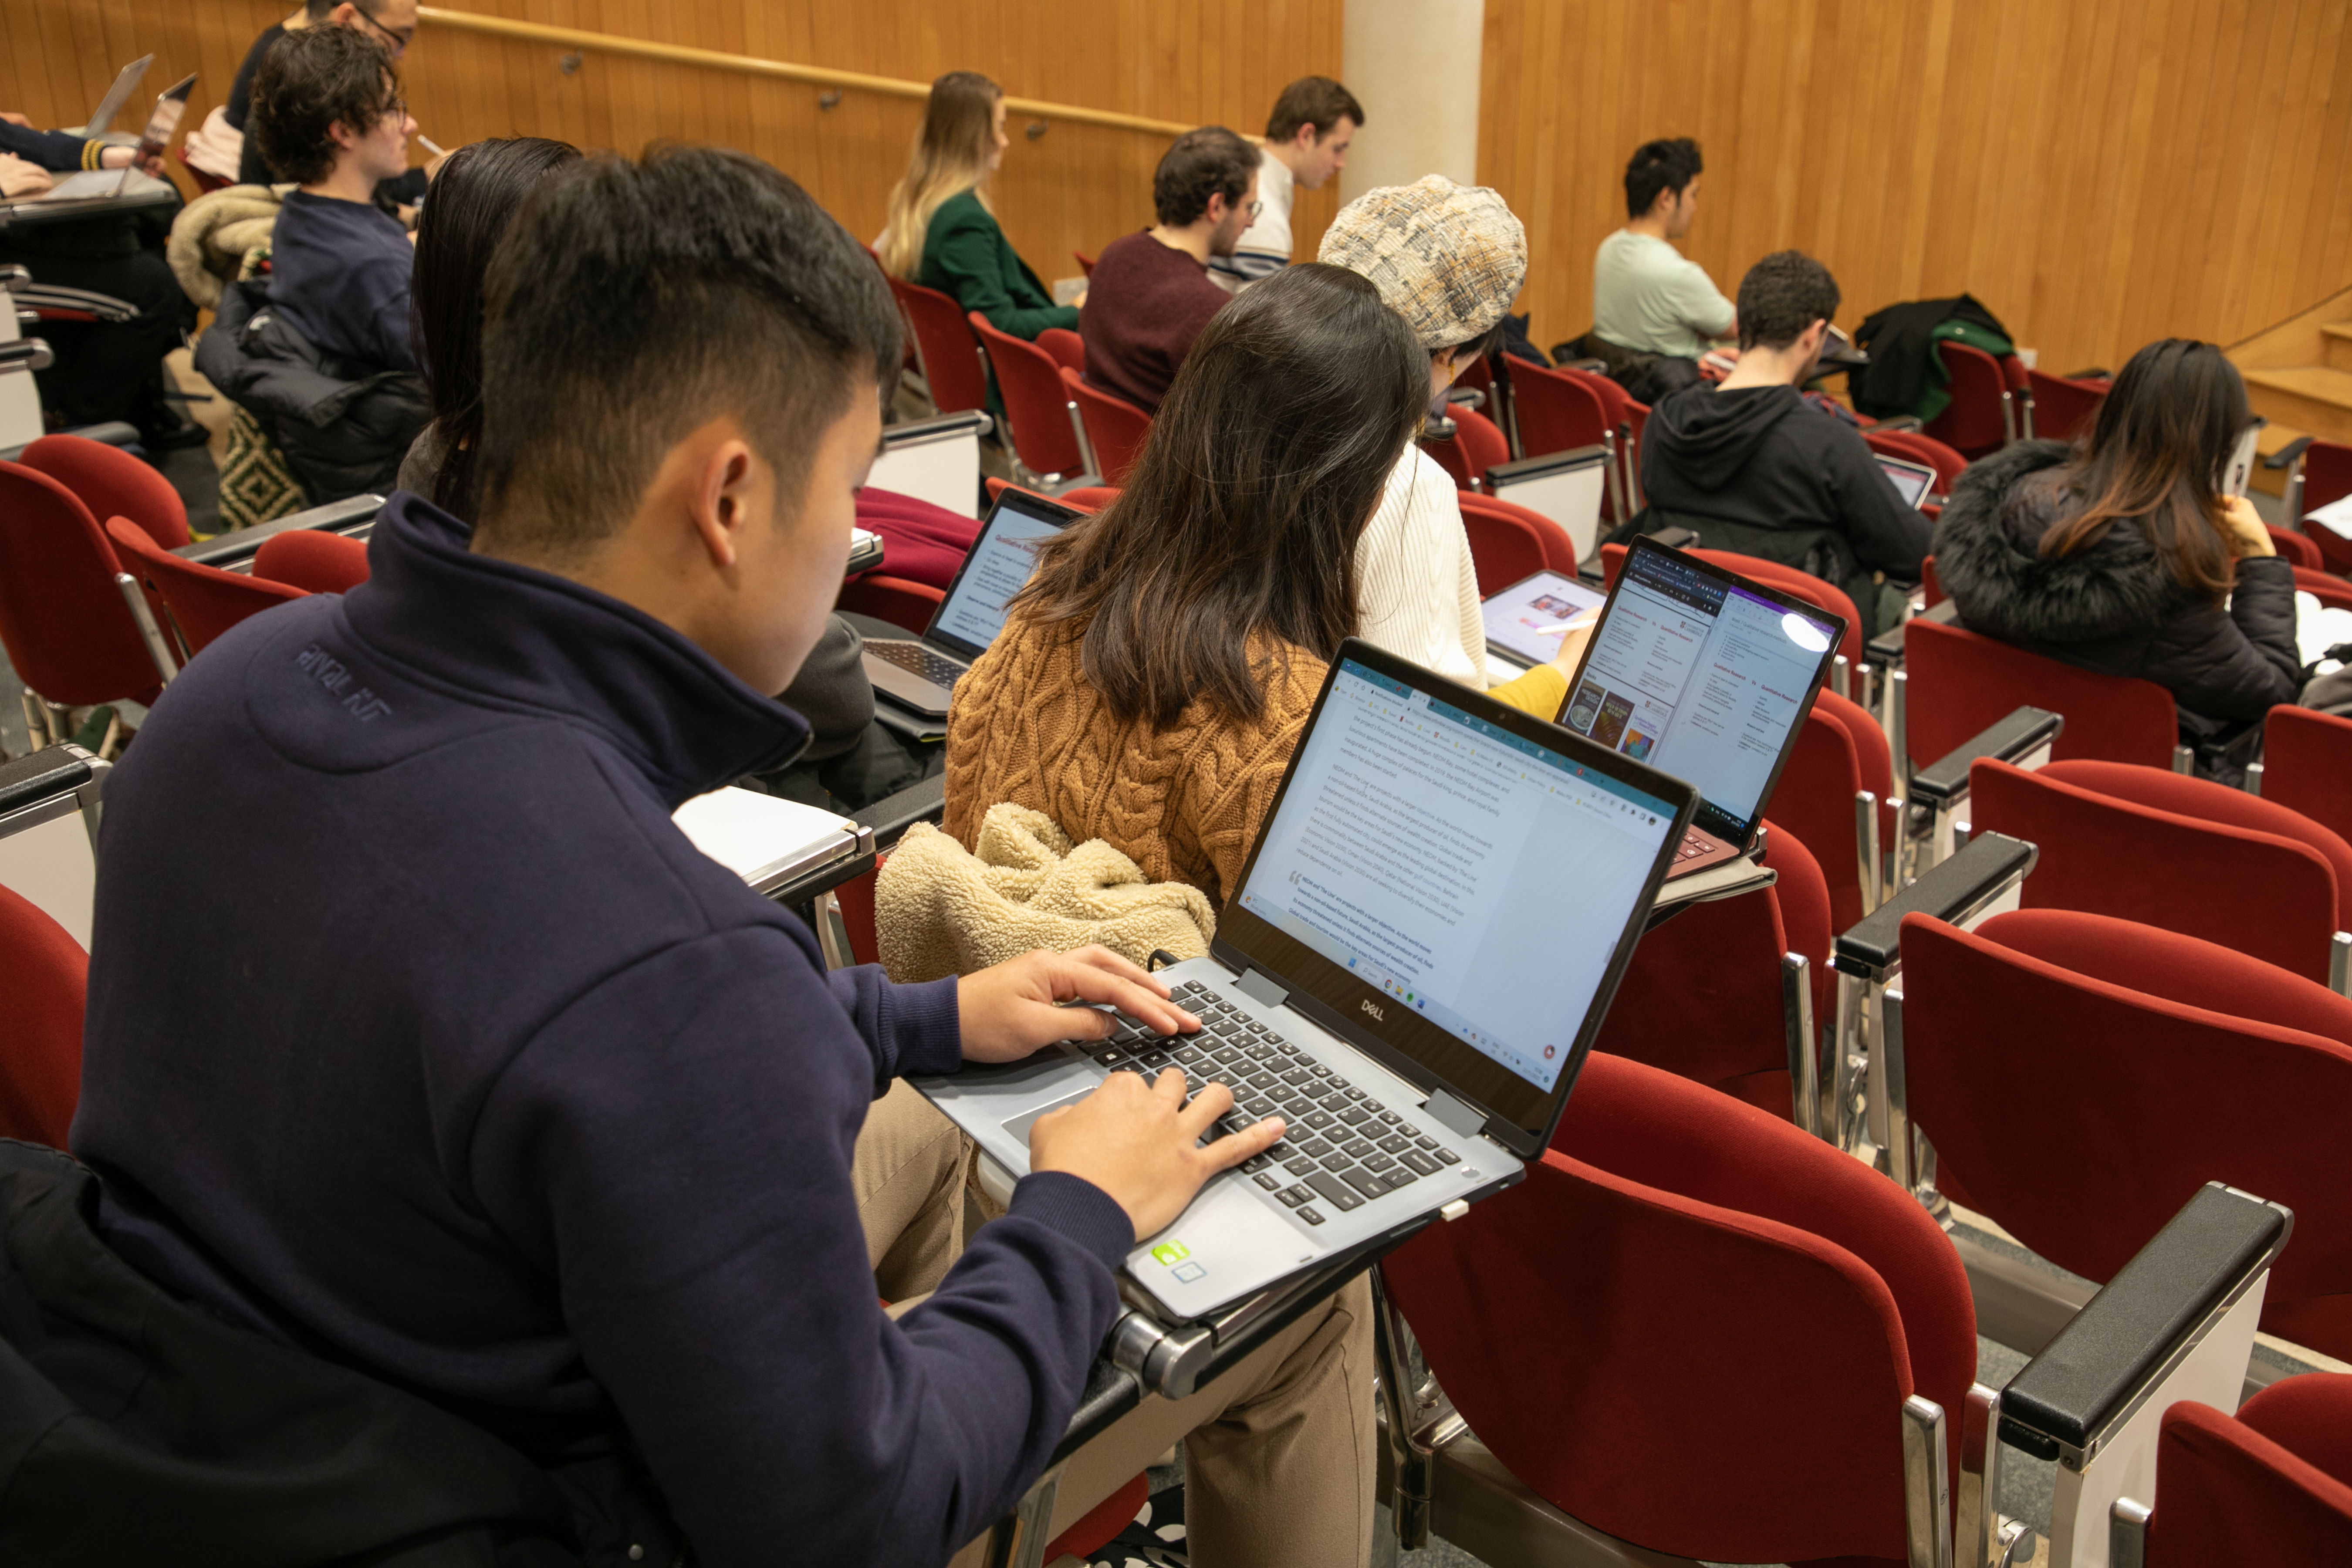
(2099, 173)
(1075, 187)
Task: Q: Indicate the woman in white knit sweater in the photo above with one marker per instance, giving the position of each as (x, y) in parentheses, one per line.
(1448, 259)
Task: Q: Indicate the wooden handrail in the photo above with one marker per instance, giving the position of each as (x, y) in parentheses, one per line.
(748, 65)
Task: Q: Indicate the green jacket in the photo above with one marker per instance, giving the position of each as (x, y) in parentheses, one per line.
(967, 257)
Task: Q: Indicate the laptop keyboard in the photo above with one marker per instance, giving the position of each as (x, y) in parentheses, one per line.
(1343, 1148)
(1693, 847)
(916, 659)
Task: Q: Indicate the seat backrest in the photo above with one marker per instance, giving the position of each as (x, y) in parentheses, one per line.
(1089, 498)
(900, 600)
(1085, 263)
(2063, 408)
(2307, 765)
(1912, 446)
(2203, 800)
(1030, 381)
(313, 559)
(2228, 1492)
(68, 634)
(2263, 893)
(1957, 682)
(950, 353)
(1503, 548)
(112, 483)
(1557, 412)
(204, 601)
(1972, 421)
(2079, 1114)
(1558, 549)
(2327, 476)
(1597, 1325)
(44, 972)
(1840, 751)
(1116, 429)
(1475, 445)
(1068, 348)
(2297, 550)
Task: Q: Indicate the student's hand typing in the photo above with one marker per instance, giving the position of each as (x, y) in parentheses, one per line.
(22, 177)
(1137, 1142)
(1012, 1009)
(2242, 530)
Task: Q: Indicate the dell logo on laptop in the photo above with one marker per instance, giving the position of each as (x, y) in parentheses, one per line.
(1373, 1009)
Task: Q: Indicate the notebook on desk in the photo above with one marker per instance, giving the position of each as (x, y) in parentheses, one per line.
(1418, 953)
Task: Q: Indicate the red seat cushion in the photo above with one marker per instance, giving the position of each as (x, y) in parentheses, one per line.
(44, 974)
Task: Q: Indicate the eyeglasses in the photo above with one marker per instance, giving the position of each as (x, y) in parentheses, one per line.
(398, 38)
(1256, 208)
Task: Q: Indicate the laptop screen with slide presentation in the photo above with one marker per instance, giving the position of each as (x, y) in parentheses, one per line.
(1458, 890)
(999, 567)
(1913, 481)
(1705, 675)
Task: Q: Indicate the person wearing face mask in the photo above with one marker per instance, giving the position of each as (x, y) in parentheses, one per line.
(334, 312)
(1150, 294)
(1306, 140)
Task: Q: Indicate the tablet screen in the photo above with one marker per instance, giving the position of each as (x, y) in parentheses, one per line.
(1527, 619)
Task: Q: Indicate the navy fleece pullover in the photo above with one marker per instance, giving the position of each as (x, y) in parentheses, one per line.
(443, 1052)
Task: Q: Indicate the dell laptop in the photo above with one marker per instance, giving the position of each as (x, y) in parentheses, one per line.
(1525, 621)
(1705, 675)
(1418, 953)
(920, 675)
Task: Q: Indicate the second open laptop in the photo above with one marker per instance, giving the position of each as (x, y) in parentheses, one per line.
(1913, 481)
(1708, 675)
(1525, 621)
(1418, 953)
(920, 674)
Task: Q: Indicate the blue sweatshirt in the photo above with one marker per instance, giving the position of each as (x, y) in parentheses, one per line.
(447, 1054)
(338, 270)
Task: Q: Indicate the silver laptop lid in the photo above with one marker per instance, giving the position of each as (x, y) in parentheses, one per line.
(102, 118)
(997, 567)
(1913, 481)
(1706, 674)
(1527, 619)
(1454, 887)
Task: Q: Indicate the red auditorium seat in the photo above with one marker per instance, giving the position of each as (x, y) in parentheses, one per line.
(1044, 436)
(949, 356)
(2307, 765)
(112, 483)
(1731, 1386)
(1957, 683)
(1475, 445)
(2321, 584)
(2298, 551)
(2271, 1485)
(1089, 498)
(1557, 411)
(1068, 348)
(900, 600)
(1710, 994)
(1839, 753)
(69, 634)
(1116, 429)
(1508, 541)
(2187, 853)
(2079, 1076)
(2064, 407)
(312, 559)
(203, 601)
(1085, 263)
(2321, 475)
(45, 975)
(1982, 416)
(1627, 418)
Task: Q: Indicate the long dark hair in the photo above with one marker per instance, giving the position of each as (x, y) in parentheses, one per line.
(1239, 523)
(2154, 457)
(473, 198)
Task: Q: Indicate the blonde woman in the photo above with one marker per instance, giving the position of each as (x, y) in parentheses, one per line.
(941, 232)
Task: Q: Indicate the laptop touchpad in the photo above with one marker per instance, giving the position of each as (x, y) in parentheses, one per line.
(1019, 1126)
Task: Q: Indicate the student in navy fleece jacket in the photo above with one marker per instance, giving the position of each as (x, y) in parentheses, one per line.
(486, 1081)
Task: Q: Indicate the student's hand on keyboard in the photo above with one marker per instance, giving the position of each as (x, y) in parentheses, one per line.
(1011, 1010)
(1140, 1144)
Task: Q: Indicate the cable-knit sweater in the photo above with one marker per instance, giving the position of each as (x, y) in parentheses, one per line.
(1184, 802)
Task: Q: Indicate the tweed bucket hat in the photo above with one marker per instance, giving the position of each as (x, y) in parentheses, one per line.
(1448, 259)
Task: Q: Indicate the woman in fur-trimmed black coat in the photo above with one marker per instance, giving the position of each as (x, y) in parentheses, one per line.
(2121, 556)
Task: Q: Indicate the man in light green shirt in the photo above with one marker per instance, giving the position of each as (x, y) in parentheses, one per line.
(1646, 295)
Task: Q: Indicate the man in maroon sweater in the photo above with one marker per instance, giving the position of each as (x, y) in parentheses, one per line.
(1150, 294)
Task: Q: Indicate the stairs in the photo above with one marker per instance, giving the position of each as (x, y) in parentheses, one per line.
(2299, 376)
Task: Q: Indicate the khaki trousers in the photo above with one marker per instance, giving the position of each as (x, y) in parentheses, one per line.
(1278, 1452)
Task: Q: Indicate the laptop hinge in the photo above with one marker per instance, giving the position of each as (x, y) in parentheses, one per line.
(1457, 1117)
(1259, 986)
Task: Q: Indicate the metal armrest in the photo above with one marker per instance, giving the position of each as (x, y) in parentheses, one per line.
(1596, 366)
(1961, 890)
(14, 275)
(1466, 396)
(1437, 427)
(2285, 456)
(2024, 738)
(890, 816)
(231, 552)
(915, 432)
(25, 354)
(1899, 423)
(44, 775)
(1885, 649)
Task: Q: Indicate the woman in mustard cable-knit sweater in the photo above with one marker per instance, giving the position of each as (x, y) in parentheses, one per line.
(1152, 680)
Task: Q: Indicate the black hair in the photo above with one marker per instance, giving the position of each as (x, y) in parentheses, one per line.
(1208, 162)
(1315, 100)
(1234, 538)
(1782, 296)
(309, 82)
(475, 197)
(1668, 164)
(633, 301)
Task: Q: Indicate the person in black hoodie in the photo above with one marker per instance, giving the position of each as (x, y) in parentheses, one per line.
(1748, 466)
(2121, 556)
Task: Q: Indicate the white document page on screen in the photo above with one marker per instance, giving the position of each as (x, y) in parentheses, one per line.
(1482, 885)
(1752, 678)
(1001, 566)
(1641, 662)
